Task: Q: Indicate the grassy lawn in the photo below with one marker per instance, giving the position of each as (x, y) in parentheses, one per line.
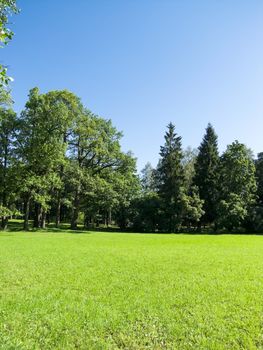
(130, 291)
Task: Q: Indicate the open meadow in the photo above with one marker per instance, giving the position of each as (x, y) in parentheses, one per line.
(65, 290)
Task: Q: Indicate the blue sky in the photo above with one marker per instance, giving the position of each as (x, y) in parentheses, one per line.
(143, 63)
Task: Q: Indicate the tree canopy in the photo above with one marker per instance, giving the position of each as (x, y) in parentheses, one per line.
(7, 8)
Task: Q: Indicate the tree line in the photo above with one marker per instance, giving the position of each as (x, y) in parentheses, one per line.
(201, 189)
(61, 163)
(57, 160)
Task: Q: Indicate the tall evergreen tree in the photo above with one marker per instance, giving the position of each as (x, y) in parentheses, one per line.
(259, 177)
(171, 180)
(206, 173)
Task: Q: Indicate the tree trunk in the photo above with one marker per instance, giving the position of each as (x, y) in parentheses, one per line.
(58, 210)
(109, 217)
(4, 223)
(48, 218)
(4, 200)
(37, 216)
(43, 219)
(86, 221)
(26, 211)
(75, 212)
(4, 220)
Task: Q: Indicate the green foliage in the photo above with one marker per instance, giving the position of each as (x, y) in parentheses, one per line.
(8, 173)
(7, 212)
(237, 185)
(5, 98)
(232, 212)
(207, 172)
(254, 220)
(95, 154)
(259, 177)
(7, 8)
(65, 159)
(237, 173)
(43, 126)
(148, 178)
(188, 161)
(171, 180)
(145, 212)
(179, 203)
(193, 207)
(68, 161)
(127, 185)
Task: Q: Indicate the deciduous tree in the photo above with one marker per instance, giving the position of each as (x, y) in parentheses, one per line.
(8, 125)
(237, 186)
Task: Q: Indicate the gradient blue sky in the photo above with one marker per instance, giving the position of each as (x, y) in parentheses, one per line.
(144, 63)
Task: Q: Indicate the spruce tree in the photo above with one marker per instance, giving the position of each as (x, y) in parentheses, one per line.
(259, 176)
(206, 174)
(171, 180)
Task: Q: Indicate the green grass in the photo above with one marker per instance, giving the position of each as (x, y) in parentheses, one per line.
(130, 291)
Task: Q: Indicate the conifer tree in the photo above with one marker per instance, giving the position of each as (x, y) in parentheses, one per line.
(259, 176)
(206, 173)
(171, 180)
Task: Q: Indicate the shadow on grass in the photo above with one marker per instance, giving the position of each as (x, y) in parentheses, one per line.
(17, 226)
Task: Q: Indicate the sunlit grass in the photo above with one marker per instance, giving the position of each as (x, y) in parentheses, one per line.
(130, 291)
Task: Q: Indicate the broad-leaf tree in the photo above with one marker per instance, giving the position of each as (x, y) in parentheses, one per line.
(94, 147)
(237, 186)
(42, 147)
(8, 125)
(7, 8)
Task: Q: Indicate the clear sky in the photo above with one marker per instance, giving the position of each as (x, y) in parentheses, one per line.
(143, 63)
